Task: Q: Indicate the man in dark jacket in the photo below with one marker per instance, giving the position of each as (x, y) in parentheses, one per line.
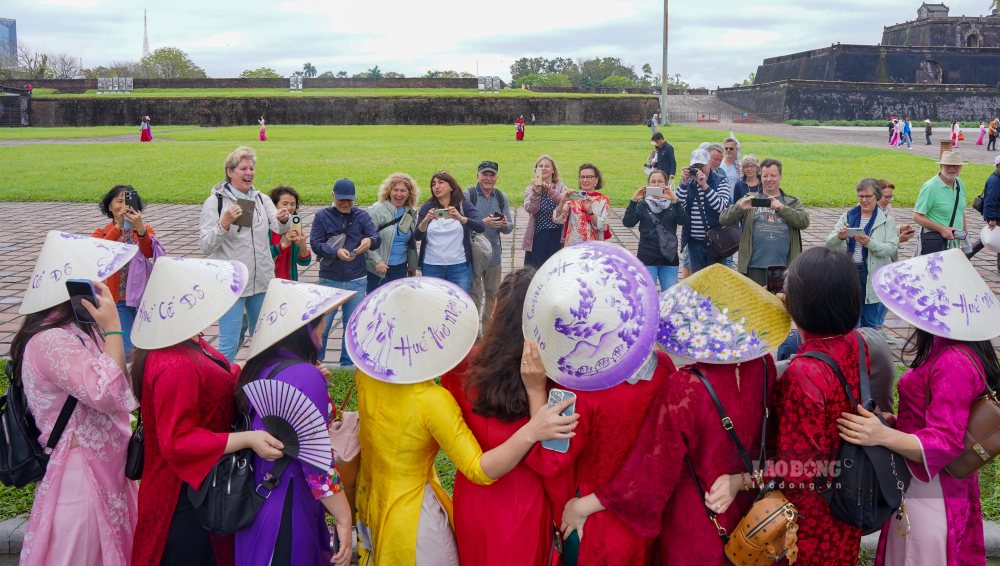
(340, 236)
(665, 160)
(991, 206)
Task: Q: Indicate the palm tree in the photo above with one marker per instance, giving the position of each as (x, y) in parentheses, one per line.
(376, 73)
(308, 70)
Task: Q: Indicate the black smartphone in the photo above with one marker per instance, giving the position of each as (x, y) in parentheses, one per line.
(760, 202)
(776, 278)
(497, 215)
(80, 289)
(246, 219)
(132, 200)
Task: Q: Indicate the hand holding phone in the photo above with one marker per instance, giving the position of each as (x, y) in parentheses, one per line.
(760, 202)
(296, 224)
(776, 278)
(81, 290)
(557, 396)
(654, 192)
(247, 206)
(851, 232)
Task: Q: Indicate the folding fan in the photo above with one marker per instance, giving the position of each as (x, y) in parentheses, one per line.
(293, 419)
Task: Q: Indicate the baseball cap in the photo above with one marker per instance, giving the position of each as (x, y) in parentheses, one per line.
(489, 166)
(699, 157)
(996, 160)
(344, 190)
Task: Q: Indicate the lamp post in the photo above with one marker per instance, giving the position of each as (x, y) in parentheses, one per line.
(664, 76)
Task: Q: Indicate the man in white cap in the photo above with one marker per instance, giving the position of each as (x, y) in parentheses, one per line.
(940, 207)
(705, 195)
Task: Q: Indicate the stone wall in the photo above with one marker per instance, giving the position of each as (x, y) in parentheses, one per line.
(816, 100)
(81, 85)
(945, 31)
(114, 111)
(871, 63)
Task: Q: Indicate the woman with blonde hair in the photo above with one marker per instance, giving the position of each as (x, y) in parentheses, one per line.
(394, 216)
(543, 237)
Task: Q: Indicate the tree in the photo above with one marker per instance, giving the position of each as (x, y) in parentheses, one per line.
(374, 72)
(31, 64)
(528, 66)
(113, 69)
(308, 70)
(675, 83)
(596, 70)
(545, 79)
(753, 77)
(326, 75)
(341, 74)
(170, 63)
(260, 73)
(393, 75)
(617, 82)
(435, 74)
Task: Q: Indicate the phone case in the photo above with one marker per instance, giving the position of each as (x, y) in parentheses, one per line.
(556, 396)
(246, 219)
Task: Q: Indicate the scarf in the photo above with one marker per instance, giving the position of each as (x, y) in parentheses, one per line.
(854, 221)
(657, 205)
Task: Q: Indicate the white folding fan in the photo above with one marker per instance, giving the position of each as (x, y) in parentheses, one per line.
(293, 419)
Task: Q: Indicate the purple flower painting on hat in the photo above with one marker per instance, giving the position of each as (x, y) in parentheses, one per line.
(592, 310)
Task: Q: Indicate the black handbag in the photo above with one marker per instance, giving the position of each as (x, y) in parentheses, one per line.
(872, 480)
(723, 241)
(666, 240)
(136, 452)
(229, 498)
(931, 241)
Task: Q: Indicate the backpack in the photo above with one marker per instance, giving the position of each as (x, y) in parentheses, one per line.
(871, 482)
(22, 459)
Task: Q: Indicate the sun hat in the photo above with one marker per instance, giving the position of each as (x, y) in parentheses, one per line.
(185, 296)
(71, 256)
(996, 160)
(941, 293)
(718, 316)
(927, 121)
(951, 158)
(343, 189)
(289, 305)
(412, 330)
(592, 309)
(700, 157)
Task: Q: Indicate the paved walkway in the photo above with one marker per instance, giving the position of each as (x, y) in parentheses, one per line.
(177, 226)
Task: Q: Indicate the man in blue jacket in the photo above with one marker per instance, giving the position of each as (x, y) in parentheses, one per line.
(991, 206)
(665, 160)
(340, 236)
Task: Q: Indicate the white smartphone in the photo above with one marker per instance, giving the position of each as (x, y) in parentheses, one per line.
(557, 396)
(654, 192)
(851, 232)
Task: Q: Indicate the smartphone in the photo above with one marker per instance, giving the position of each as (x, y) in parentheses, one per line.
(536, 178)
(851, 232)
(576, 195)
(441, 213)
(760, 202)
(776, 278)
(961, 234)
(497, 215)
(80, 289)
(557, 396)
(296, 224)
(654, 192)
(246, 219)
(132, 200)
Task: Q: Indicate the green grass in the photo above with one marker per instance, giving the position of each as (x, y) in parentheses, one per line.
(311, 158)
(76, 133)
(322, 92)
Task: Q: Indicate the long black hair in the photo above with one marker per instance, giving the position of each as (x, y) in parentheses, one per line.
(496, 368)
(298, 345)
(919, 346)
(36, 323)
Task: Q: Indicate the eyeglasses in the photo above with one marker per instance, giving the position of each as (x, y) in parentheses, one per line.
(587, 177)
(888, 197)
(730, 149)
(865, 197)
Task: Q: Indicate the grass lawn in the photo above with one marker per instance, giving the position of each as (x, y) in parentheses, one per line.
(311, 158)
(76, 133)
(324, 92)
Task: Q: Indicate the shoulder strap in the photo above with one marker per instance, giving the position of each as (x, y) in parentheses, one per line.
(836, 370)
(391, 222)
(220, 363)
(61, 422)
(727, 423)
(473, 196)
(954, 210)
(652, 215)
(500, 200)
(218, 196)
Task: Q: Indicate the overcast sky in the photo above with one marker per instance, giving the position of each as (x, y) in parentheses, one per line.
(711, 43)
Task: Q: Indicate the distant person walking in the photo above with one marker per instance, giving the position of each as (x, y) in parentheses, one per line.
(907, 134)
(956, 130)
(263, 129)
(519, 128)
(928, 130)
(145, 134)
(991, 131)
(897, 133)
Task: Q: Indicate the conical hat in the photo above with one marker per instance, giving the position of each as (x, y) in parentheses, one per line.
(185, 296)
(592, 309)
(718, 316)
(289, 305)
(941, 293)
(412, 330)
(71, 256)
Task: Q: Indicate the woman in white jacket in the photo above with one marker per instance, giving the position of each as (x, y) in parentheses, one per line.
(226, 234)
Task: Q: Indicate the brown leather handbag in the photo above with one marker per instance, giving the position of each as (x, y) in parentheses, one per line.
(982, 435)
(768, 532)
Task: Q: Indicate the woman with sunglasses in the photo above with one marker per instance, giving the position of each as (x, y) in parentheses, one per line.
(584, 213)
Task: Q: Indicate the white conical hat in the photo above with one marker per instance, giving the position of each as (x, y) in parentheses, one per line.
(71, 256)
(289, 305)
(941, 293)
(185, 296)
(412, 330)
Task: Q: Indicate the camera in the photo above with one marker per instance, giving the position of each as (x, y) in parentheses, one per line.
(694, 170)
(441, 213)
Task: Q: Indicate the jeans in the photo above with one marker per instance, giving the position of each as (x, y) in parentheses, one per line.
(869, 311)
(666, 274)
(904, 138)
(126, 315)
(484, 293)
(393, 273)
(231, 324)
(700, 256)
(928, 136)
(359, 286)
(880, 316)
(460, 274)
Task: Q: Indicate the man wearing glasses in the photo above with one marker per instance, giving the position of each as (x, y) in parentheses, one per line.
(731, 160)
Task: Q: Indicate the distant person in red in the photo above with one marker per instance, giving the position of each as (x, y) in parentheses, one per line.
(28, 87)
(145, 135)
(263, 129)
(519, 125)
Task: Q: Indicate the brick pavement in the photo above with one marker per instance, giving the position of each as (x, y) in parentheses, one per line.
(177, 228)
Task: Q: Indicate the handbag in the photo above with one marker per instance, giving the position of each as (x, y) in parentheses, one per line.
(136, 452)
(982, 435)
(666, 240)
(872, 480)
(345, 438)
(768, 532)
(723, 241)
(931, 241)
(228, 499)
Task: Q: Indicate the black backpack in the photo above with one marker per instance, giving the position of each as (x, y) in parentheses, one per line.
(22, 459)
(872, 480)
